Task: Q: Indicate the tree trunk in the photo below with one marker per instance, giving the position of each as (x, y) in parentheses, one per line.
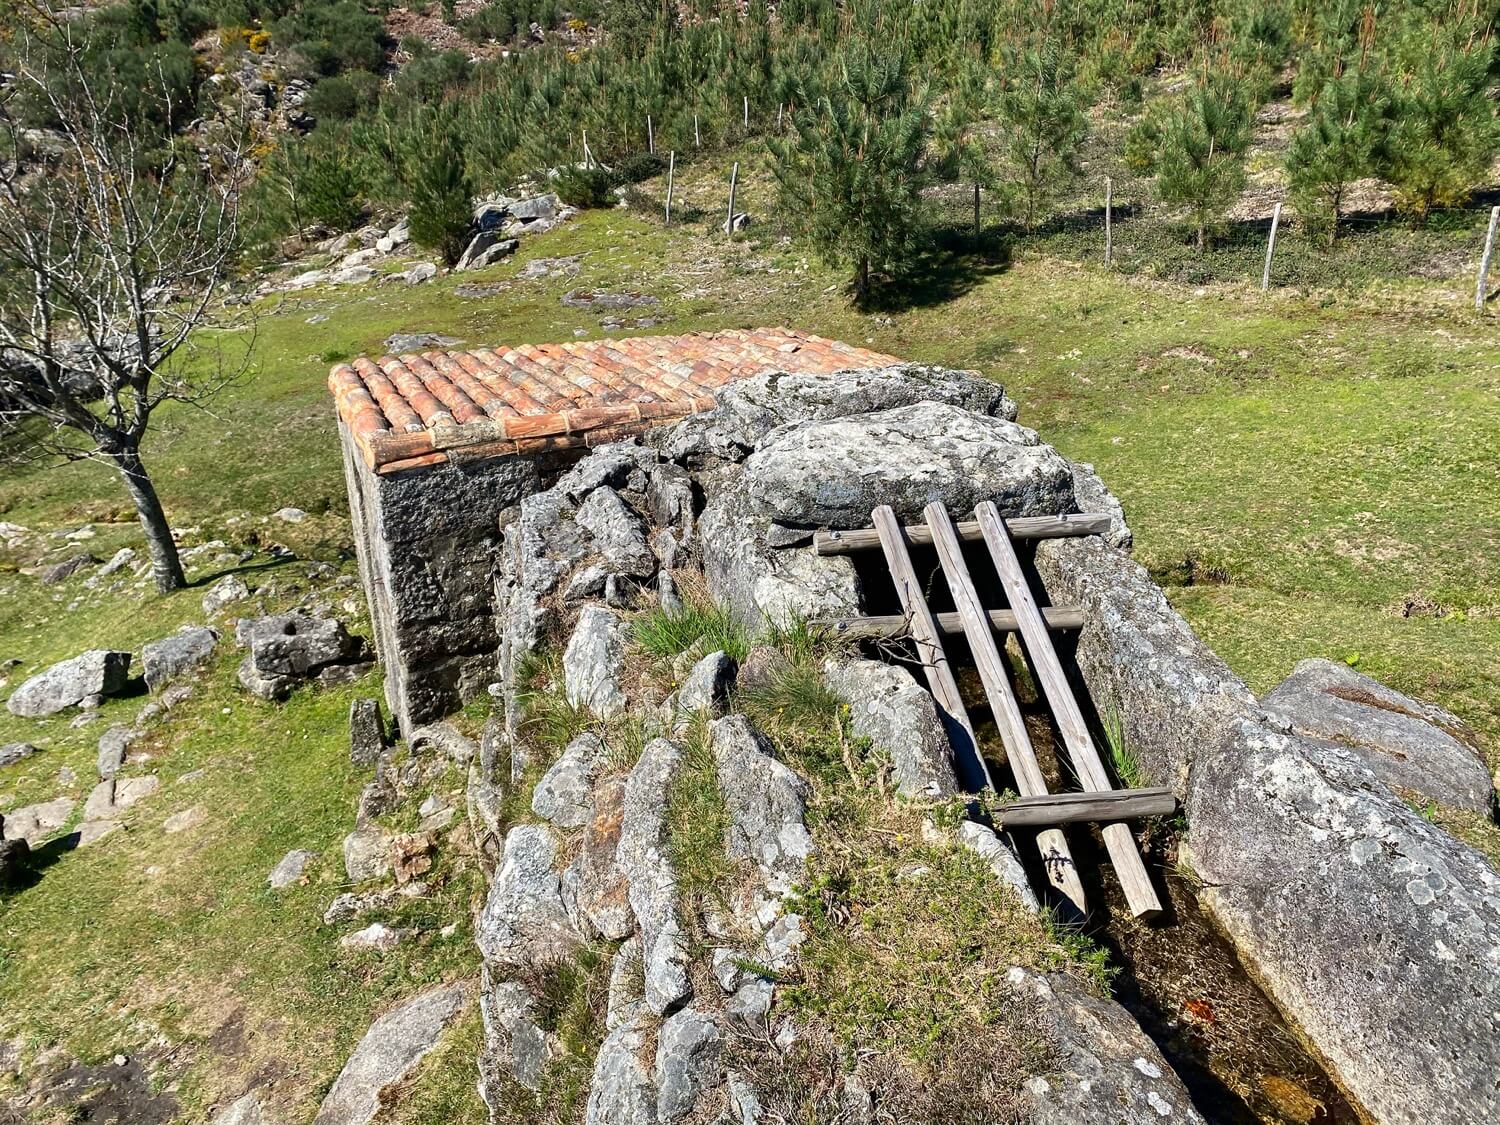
(166, 567)
(1202, 240)
(864, 277)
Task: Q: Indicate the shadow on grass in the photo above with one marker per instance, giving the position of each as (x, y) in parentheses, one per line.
(29, 870)
(951, 267)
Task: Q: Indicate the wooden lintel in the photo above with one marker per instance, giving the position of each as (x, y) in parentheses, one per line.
(1020, 527)
(898, 625)
(1073, 808)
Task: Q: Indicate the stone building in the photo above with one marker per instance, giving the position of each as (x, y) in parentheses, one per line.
(439, 448)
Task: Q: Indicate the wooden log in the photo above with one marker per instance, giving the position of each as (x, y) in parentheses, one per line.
(967, 761)
(1123, 853)
(897, 625)
(1085, 808)
(1021, 527)
(1062, 872)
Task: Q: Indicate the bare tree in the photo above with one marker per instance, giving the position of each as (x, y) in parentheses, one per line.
(117, 245)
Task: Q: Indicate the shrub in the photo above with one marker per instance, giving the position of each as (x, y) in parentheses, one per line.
(441, 208)
(584, 187)
(641, 166)
(333, 99)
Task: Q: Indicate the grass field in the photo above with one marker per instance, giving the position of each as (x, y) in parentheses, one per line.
(1307, 475)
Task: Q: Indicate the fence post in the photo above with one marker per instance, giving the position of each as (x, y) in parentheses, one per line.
(671, 169)
(976, 216)
(734, 177)
(1109, 221)
(650, 136)
(1482, 286)
(1265, 276)
(588, 160)
(747, 112)
(780, 109)
(697, 136)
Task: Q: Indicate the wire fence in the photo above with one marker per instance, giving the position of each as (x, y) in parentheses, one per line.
(1120, 224)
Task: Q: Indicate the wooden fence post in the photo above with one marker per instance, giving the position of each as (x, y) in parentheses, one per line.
(588, 160)
(1265, 275)
(650, 136)
(671, 169)
(1482, 286)
(747, 112)
(780, 109)
(734, 177)
(1109, 221)
(697, 136)
(976, 216)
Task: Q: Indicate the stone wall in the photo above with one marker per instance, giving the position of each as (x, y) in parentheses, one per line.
(426, 540)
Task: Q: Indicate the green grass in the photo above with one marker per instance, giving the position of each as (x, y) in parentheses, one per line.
(709, 628)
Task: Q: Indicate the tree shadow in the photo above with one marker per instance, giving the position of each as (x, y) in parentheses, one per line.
(41, 858)
(245, 568)
(949, 268)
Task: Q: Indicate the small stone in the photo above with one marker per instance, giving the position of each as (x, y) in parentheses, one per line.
(226, 591)
(708, 685)
(64, 570)
(113, 746)
(377, 937)
(594, 661)
(129, 790)
(185, 820)
(290, 869)
(13, 752)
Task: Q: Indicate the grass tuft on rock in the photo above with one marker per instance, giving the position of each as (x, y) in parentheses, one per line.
(665, 633)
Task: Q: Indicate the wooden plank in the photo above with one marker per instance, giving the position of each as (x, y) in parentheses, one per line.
(1022, 527)
(1062, 872)
(967, 761)
(1123, 853)
(1075, 808)
(896, 624)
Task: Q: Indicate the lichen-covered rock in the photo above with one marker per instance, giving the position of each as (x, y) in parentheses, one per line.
(515, 1043)
(1001, 859)
(290, 869)
(1409, 745)
(295, 644)
(98, 672)
(13, 752)
(749, 409)
(687, 1062)
(900, 719)
(594, 660)
(758, 582)
(366, 732)
(627, 982)
(1092, 496)
(832, 473)
(1142, 662)
(524, 921)
(622, 1092)
(707, 685)
(1370, 928)
(1107, 1070)
(114, 744)
(616, 533)
(644, 861)
(389, 1051)
(184, 650)
(767, 803)
(1373, 930)
(565, 793)
(593, 887)
(33, 823)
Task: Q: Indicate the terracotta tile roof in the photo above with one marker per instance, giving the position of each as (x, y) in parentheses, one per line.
(409, 411)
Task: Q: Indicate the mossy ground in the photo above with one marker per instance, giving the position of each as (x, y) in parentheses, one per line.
(1308, 474)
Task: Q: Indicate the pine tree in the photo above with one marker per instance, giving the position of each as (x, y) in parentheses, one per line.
(441, 196)
(1342, 141)
(1041, 111)
(852, 171)
(1446, 133)
(1196, 147)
